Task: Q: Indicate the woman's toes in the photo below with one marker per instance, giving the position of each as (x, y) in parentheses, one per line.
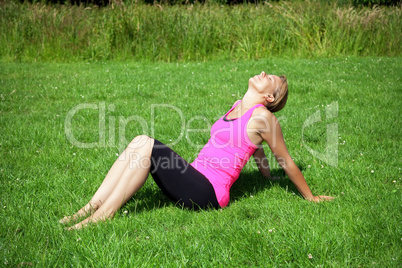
(64, 220)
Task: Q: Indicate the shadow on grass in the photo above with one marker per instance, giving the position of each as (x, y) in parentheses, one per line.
(250, 183)
(148, 198)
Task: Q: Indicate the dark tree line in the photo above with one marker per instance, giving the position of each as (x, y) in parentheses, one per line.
(103, 3)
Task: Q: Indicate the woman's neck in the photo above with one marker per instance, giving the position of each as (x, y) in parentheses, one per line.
(251, 99)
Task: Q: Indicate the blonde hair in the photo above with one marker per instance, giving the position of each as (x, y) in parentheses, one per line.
(280, 95)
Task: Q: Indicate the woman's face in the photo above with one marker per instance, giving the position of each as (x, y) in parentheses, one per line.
(265, 83)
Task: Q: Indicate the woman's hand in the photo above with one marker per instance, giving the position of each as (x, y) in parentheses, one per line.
(319, 198)
(274, 179)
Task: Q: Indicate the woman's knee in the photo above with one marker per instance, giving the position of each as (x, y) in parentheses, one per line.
(142, 142)
(140, 151)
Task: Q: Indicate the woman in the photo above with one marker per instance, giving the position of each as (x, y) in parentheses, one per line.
(207, 181)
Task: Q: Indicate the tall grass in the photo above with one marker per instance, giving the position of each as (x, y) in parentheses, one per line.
(39, 32)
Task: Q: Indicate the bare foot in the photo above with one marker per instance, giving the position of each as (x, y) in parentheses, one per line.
(78, 226)
(99, 215)
(80, 213)
(68, 219)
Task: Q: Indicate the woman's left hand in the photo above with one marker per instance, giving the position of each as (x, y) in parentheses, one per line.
(274, 179)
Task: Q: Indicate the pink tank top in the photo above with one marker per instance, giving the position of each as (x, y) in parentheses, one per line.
(227, 151)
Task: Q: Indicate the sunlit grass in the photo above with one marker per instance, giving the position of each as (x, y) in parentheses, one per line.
(44, 176)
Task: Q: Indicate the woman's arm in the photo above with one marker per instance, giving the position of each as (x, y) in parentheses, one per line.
(263, 164)
(270, 131)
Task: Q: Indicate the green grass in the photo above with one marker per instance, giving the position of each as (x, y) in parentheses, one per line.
(302, 29)
(43, 176)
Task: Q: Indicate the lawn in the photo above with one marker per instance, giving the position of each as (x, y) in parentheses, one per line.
(63, 125)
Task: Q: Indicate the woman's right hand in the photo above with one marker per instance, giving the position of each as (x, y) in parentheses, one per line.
(319, 198)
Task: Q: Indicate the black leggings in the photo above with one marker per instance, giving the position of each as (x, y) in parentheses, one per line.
(179, 181)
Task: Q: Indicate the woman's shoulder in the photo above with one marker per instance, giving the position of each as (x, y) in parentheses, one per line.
(263, 112)
(262, 117)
